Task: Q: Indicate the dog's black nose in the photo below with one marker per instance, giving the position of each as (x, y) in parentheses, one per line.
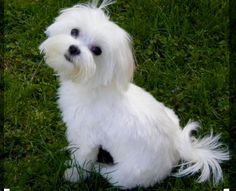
(74, 50)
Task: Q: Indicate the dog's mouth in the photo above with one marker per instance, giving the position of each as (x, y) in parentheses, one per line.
(68, 58)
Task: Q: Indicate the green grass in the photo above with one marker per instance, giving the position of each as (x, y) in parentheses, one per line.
(182, 59)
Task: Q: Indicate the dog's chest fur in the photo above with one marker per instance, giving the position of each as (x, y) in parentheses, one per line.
(90, 115)
(103, 116)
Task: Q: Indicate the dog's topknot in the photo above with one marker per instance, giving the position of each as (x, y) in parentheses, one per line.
(97, 4)
(103, 4)
(94, 4)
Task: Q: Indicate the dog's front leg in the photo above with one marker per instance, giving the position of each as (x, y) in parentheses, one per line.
(82, 161)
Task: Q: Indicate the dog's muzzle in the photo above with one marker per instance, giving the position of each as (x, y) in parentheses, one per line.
(72, 51)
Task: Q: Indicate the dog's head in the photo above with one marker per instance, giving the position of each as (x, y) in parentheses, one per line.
(85, 46)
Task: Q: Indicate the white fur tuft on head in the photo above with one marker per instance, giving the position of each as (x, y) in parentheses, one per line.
(98, 4)
(103, 5)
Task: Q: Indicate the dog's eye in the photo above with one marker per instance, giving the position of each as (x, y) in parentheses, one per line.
(96, 50)
(74, 32)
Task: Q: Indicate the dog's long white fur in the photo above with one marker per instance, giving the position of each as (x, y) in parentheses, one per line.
(202, 155)
(101, 106)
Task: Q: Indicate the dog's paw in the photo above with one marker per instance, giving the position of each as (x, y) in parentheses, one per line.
(75, 174)
(71, 174)
(69, 163)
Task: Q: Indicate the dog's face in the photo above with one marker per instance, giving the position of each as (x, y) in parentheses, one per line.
(83, 45)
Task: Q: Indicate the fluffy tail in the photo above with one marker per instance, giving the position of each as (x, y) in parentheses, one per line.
(203, 155)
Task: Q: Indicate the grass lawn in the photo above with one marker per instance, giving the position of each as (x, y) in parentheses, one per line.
(182, 59)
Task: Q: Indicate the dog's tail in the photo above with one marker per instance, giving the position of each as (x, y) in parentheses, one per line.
(204, 155)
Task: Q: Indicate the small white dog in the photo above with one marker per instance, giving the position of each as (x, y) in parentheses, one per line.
(102, 108)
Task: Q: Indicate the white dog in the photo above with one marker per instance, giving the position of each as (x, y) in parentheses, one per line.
(102, 108)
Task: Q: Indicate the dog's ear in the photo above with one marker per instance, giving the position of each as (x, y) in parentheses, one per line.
(125, 62)
(48, 30)
(54, 29)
